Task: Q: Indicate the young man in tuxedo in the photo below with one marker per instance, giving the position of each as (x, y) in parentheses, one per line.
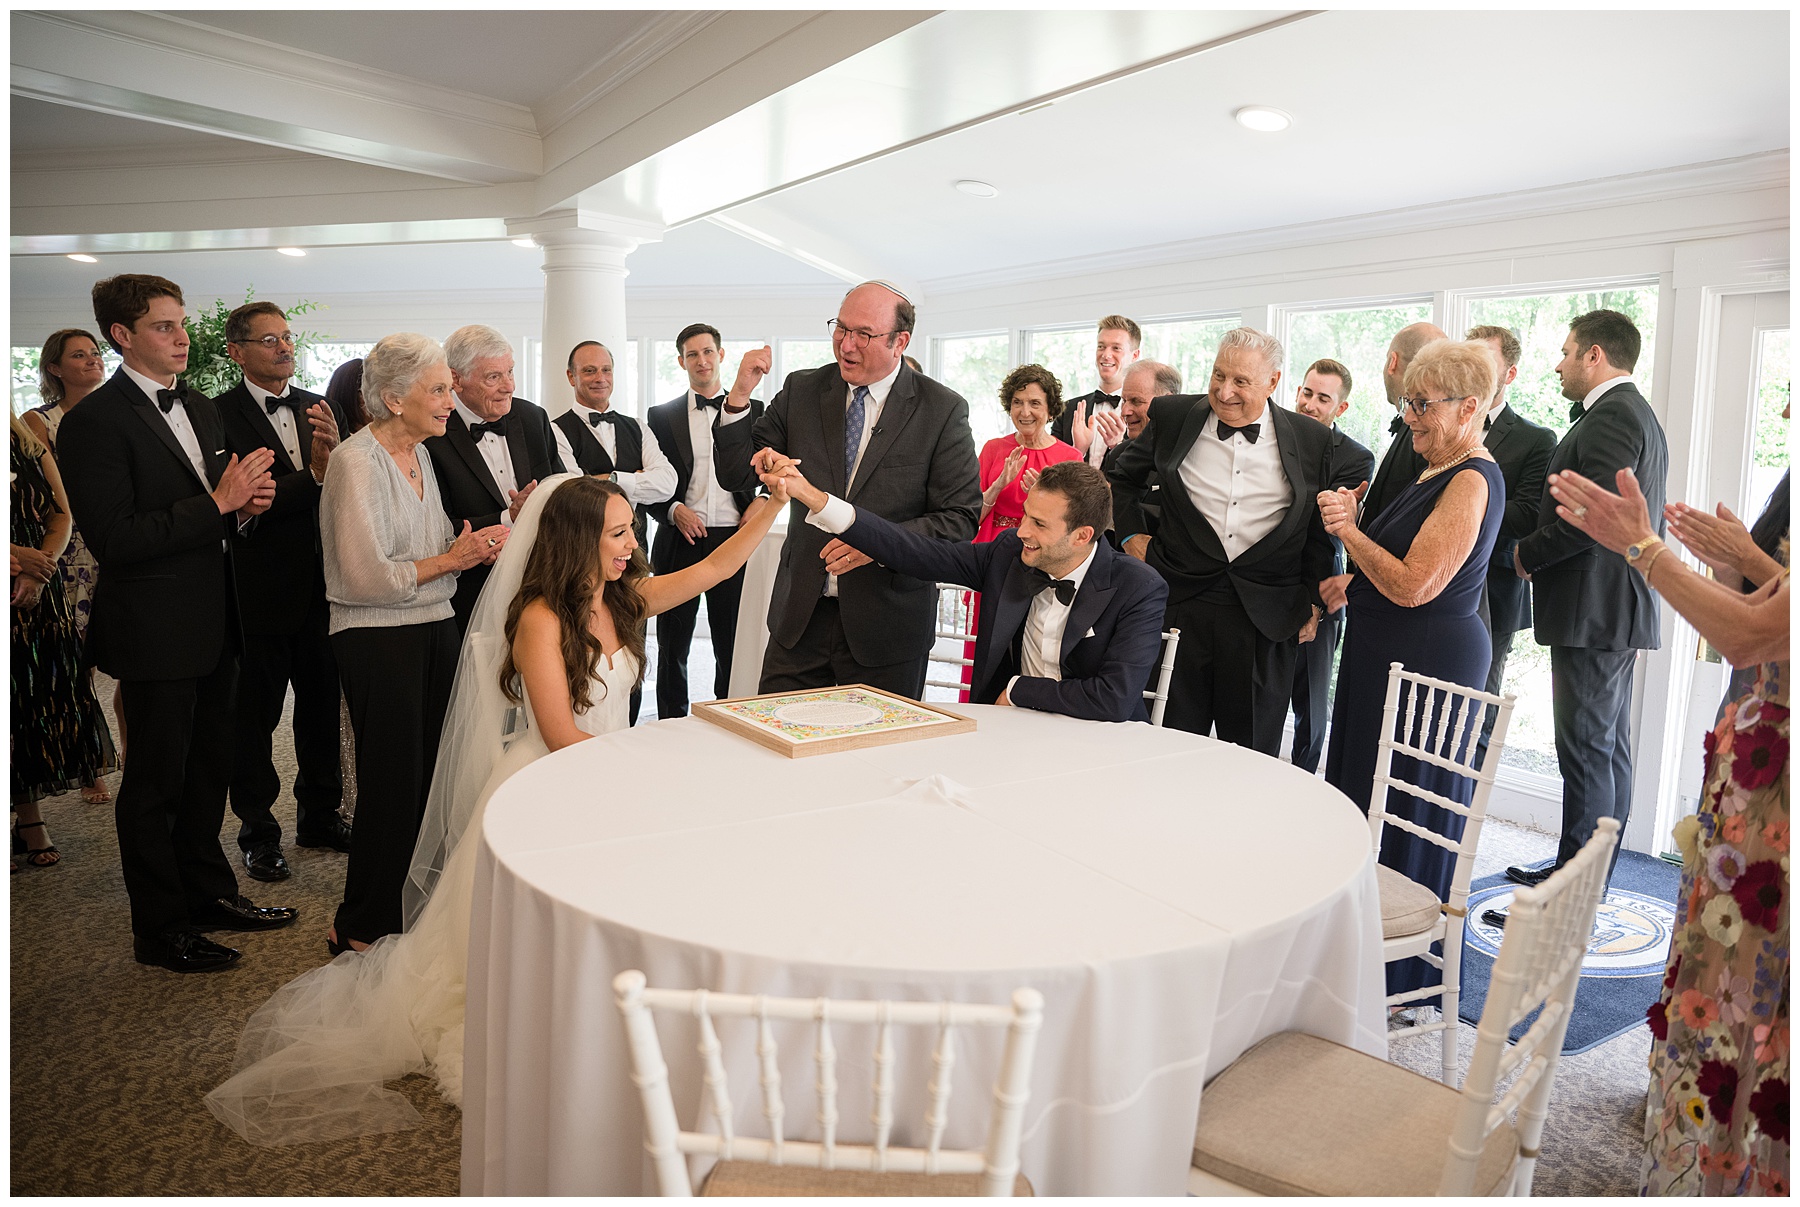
(1091, 422)
(1068, 624)
(1324, 395)
(1590, 607)
(494, 450)
(159, 501)
(1522, 450)
(698, 516)
(890, 440)
(601, 442)
(281, 591)
(1400, 465)
(1241, 543)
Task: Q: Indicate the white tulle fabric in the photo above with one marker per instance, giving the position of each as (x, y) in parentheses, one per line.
(313, 1059)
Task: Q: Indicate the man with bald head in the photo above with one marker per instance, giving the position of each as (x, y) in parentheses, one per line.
(890, 440)
(1401, 465)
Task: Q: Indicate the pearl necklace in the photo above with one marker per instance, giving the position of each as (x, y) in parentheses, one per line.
(1432, 471)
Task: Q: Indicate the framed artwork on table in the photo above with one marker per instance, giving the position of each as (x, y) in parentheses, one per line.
(827, 720)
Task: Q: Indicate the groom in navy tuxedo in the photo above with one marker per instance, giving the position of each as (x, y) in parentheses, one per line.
(1068, 624)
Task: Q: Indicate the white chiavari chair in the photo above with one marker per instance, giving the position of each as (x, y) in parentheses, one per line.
(1159, 695)
(955, 622)
(1299, 1115)
(775, 1165)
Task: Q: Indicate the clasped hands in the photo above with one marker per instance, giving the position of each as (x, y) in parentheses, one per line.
(781, 474)
(1105, 424)
(246, 486)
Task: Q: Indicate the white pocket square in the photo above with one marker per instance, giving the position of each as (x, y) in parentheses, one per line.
(1087, 634)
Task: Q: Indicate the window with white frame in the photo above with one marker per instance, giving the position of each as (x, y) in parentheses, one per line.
(793, 355)
(1188, 345)
(1067, 352)
(671, 381)
(1356, 337)
(974, 366)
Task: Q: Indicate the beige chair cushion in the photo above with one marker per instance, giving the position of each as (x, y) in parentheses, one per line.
(739, 1179)
(1301, 1115)
(1407, 907)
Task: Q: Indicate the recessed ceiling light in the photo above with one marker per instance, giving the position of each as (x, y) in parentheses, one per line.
(82, 258)
(977, 188)
(527, 241)
(291, 251)
(1263, 119)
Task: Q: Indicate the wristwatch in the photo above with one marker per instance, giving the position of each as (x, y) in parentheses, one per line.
(1634, 554)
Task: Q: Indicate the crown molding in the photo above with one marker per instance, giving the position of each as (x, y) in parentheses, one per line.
(645, 47)
(699, 295)
(1743, 174)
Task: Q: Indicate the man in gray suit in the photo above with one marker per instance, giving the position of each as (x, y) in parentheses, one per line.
(1592, 609)
(890, 440)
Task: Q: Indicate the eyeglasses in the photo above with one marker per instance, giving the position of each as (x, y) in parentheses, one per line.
(271, 342)
(855, 337)
(1421, 405)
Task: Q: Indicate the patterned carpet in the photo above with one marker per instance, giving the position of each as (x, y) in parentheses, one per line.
(110, 1059)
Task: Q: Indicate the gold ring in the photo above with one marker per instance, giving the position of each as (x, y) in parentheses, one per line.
(492, 542)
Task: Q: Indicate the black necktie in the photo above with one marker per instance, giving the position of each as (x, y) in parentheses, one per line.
(168, 398)
(478, 430)
(1397, 426)
(1064, 587)
(596, 418)
(1248, 431)
(714, 403)
(1577, 410)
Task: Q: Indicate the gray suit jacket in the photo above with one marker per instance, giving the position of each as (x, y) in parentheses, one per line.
(919, 470)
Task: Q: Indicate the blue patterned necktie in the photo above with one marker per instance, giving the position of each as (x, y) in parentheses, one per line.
(853, 429)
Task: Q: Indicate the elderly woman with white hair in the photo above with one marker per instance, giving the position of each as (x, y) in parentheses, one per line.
(1415, 598)
(391, 564)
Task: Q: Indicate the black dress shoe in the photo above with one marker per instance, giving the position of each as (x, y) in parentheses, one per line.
(184, 950)
(241, 914)
(266, 864)
(334, 834)
(1495, 918)
(1531, 877)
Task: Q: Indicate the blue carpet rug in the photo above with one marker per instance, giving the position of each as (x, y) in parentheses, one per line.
(1622, 973)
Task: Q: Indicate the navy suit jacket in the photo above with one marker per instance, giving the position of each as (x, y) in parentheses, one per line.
(1109, 647)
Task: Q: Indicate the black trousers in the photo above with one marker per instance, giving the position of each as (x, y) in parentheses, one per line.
(1229, 679)
(397, 684)
(1312, 689)
(171, 803)
(1591, 696)
(1495, 680)
(270, 662)
(675, 628)
(821, 658)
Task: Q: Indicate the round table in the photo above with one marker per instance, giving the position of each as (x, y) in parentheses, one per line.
(1174, 898)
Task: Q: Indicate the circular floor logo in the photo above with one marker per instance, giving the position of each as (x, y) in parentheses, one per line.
(1631, 932)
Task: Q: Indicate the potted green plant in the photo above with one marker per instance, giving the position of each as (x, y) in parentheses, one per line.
(211, 369)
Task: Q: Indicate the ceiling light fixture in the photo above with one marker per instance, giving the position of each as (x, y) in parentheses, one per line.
(977, 188)
(1263, 119)
(82, 257)
(527, 241)
(291, 251)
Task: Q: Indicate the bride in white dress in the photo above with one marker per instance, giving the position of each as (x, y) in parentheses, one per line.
(313, 1059)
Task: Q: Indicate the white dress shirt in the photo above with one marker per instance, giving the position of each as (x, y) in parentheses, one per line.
(1239, 487)
(177, 419)
(652, 484)
(708, 500)
(1609, 384)
(1097, 449)
(496, 456)
(872, 406)
(1040, 652)
(283, 421)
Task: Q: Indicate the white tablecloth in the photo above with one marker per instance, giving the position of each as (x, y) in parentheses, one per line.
(1174, 898)
(753, 611)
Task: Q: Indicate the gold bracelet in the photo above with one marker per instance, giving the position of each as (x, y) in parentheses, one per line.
(1651, 557)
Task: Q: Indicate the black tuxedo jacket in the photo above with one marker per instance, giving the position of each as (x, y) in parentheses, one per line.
(1400, 468)
(1587, 596)
(1109, 647)
(668, 422)
(1351, 465)
(166, 605)
(1522, 450)
(281, 572)
(1063, 426)
(919, 469)
(469, 490)
(1277, 579)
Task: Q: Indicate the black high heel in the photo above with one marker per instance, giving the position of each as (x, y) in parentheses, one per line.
(336, 948)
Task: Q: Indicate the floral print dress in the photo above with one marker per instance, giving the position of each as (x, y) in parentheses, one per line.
(1717, 1118)
(80, 570)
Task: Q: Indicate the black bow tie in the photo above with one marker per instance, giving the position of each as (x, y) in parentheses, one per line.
(1577, 410)
(1064, 587)
(596, 418)
(1249, 431)
(478, 430)
(168, 398)
(1397, 426)
(1487, 424)
(1099, 398)
(275, 402)
(701, 400)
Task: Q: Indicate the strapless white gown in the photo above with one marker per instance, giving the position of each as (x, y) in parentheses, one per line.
(313, 1059)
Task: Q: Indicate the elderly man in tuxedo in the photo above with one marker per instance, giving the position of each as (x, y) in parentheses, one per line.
(1068, 624)
(1592, 610)
(281, 591)
(494, 451)
(1400, 465)
(1092, 422)
(1324, 395)
(159, 501)
(698, 517)
(1522, 450)
(890, 440)
(1241, 545)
